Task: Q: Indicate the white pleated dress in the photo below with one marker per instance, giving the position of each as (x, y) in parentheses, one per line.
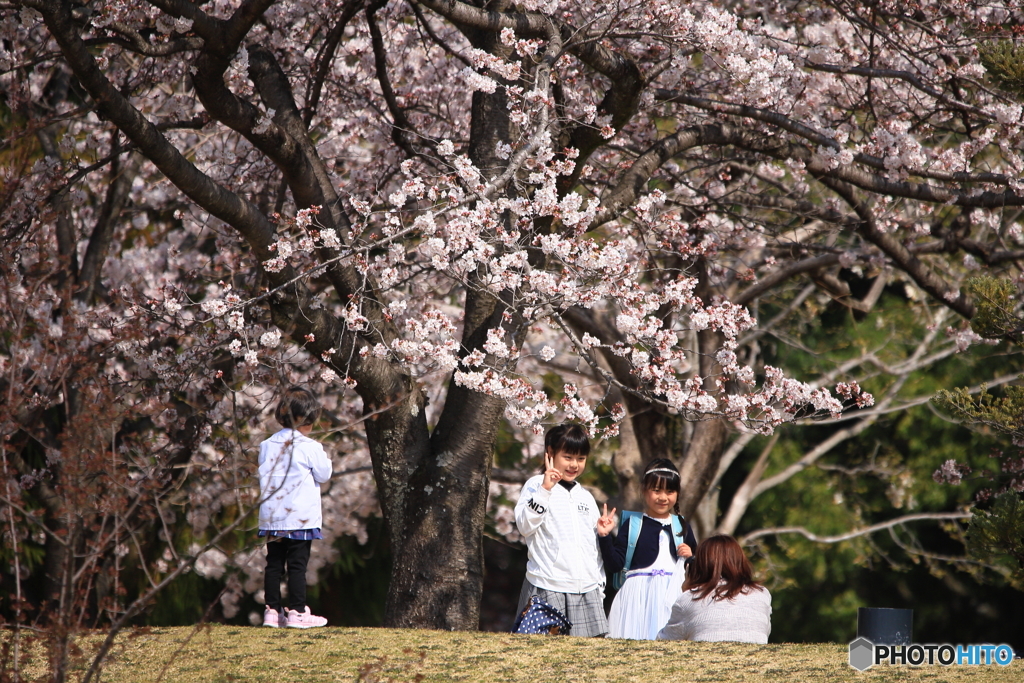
(644, 603)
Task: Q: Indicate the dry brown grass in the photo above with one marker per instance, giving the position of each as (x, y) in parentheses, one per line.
(230, 653)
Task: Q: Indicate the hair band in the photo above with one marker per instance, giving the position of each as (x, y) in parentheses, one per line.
(661, 469)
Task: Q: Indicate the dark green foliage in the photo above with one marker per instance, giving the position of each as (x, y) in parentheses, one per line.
(1003, 414)
(183, 602)
(996, 319)
(1004, 61)
(352, 591)
(996, 301)
(995, 534)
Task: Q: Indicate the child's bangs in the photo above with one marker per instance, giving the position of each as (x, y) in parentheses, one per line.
(572, 442)
(657, 481)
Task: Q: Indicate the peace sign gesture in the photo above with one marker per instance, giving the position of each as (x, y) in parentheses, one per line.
(606, 522)
(551, 475)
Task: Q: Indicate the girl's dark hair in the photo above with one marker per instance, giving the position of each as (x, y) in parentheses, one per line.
(297, 407)
(720, 569)
(656, 479)
(567, 438)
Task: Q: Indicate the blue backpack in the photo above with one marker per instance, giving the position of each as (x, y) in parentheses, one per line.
(634, 520)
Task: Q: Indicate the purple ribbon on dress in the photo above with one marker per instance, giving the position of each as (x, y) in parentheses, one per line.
(656, 572)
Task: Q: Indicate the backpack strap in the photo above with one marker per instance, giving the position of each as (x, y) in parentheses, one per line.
(677, 526)
(633, 519)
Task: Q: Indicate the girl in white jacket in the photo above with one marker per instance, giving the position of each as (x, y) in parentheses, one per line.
(292, 467)
(558, 519)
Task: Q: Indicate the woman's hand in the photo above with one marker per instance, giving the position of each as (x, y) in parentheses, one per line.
(683, 550)
(606, 522)
(551, 475)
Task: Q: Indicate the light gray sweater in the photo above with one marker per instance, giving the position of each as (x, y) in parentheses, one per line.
(743, 619)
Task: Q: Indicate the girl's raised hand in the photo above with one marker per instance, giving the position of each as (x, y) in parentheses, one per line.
(606, 522)
(551, 475)
(683, 550)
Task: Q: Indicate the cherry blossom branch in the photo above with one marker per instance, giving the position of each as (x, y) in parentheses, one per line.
(603, 329)
(641, 171)
(401, 127)
(808, 133)
(620, 100)
(777, 277)
(425, 23)
(134, 42)
(208, 28)
(863, 531)
(726, 134)
(194, 124)
(921, 400)
(325, 57)
(906, 76)
(241, 214)
(542, 85)
(607, 376)
(767, 328)
(89, 274)
(989, 256)
(35, 520)
(535, 25)
(894, 249)
(199, 187)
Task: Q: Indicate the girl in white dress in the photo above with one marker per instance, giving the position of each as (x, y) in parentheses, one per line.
(656, 568)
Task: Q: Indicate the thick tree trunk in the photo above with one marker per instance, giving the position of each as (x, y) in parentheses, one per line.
(707, 442)
(437, 571)
(700, 463)
(437, 526)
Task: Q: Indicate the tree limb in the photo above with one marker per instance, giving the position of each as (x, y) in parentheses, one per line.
(863, 531)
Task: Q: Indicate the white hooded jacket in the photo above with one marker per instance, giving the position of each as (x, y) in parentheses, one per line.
(292, 467)
(559, 527)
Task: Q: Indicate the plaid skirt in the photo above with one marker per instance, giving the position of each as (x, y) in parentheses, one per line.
(585, 611)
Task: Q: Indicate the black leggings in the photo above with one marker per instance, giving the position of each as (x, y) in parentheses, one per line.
(295, 554)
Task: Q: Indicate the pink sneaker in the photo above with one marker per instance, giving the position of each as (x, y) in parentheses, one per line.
(271, 618)
(303, 619)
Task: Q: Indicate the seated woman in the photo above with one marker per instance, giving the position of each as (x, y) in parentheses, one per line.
(720, 600)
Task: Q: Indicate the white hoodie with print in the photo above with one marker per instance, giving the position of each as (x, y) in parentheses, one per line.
(559, 527)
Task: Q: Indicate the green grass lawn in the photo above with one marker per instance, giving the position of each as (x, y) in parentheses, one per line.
(231, 653)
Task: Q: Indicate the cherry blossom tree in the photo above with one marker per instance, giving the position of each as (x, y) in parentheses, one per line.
(422, 206)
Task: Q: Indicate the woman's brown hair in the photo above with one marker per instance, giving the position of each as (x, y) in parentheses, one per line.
(720, 569)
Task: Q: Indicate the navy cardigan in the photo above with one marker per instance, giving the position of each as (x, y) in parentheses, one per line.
(613, 550)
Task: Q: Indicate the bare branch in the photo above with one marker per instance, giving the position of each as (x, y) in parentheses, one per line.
(863, 531)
